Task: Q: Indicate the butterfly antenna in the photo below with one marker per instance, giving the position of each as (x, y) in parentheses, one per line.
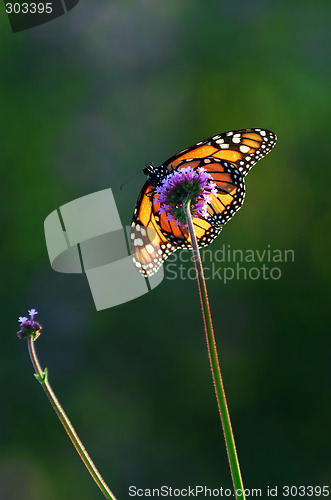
(129, 179)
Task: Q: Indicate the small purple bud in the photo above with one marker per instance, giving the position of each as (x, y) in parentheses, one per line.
(29, 327)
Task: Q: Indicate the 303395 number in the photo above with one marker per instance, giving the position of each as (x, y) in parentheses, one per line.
(306, 491)
(29, 8)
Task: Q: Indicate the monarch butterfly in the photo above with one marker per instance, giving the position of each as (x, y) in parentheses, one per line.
(227, 157)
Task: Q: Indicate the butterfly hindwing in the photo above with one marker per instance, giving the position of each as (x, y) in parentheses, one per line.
(154, 238)
(221, 208)
(149, 247)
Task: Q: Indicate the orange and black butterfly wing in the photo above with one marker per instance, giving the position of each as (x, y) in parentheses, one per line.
(153, 238)
(242, 148)
(221, 208)
(149, 246)
(178, 235)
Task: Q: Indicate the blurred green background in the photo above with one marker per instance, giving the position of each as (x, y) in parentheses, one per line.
(88, 99)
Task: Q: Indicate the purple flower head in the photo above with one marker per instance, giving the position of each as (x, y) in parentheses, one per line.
(29, 327)
(183, 186)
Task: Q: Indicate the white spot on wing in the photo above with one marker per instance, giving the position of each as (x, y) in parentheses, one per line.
(150, 249)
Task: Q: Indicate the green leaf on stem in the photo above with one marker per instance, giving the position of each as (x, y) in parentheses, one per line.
(42, 379)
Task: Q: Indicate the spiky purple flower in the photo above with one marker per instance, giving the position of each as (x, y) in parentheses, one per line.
(29, 327)
(181, 187)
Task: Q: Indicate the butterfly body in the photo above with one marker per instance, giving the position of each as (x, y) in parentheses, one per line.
(156, 175)
(227, 157)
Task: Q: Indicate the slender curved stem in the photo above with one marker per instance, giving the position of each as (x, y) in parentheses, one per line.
(214, 363)
(42, 377)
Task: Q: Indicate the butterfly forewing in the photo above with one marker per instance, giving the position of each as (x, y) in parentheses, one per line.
(240, 147)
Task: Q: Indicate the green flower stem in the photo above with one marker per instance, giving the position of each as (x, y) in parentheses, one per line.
(214, 363)
(43, 379)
